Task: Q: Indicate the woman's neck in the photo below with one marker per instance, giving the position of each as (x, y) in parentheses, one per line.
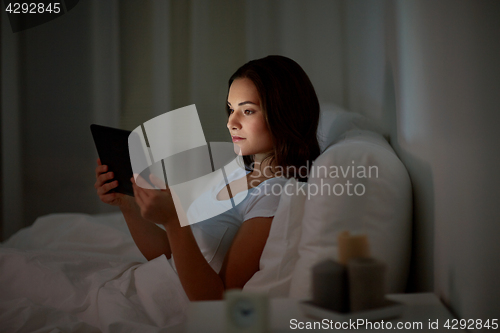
(262, 168)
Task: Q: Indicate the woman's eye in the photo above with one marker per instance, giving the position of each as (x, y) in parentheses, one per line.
(231, 111)
(248, 112)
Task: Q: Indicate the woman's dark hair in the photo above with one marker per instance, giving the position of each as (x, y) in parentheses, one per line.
(291, 110)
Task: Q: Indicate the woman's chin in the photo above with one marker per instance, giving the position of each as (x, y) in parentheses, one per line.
(237, 150)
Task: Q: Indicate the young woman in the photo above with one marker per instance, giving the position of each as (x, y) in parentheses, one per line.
(273, 115)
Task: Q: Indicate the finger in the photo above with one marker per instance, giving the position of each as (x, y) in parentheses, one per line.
(100, 170)
(102, 190)
(99, 161)
(143, 193)
(137, 193)
(157, 182)
(110, 186)
(104, 177)
(141, 182)
(137, 189)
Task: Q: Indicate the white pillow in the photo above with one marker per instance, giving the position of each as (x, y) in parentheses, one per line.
(280, 252)
(383, 211)
(334, 122)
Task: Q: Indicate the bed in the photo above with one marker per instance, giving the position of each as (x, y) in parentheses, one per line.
(83, 273)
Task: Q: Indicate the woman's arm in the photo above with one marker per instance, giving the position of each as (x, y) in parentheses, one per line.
(199, 280)
(151, 240)
(243, 258)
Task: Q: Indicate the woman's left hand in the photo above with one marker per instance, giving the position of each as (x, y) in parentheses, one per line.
(156, 206)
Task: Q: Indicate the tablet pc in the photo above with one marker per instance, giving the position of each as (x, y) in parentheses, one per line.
(112, 148)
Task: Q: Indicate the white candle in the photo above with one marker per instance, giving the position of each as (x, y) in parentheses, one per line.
(352, 246)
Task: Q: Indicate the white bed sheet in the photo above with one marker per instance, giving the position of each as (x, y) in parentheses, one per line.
(82, 273)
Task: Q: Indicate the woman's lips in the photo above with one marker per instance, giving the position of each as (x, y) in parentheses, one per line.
(237, 138)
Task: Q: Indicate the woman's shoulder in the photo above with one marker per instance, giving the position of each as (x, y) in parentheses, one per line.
(263, 200)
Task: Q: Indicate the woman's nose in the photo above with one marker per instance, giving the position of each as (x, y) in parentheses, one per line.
(233, 122)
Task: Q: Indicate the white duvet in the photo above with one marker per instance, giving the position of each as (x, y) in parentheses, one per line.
(82, 273)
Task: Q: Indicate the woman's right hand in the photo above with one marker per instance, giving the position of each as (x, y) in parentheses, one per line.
(102, 176)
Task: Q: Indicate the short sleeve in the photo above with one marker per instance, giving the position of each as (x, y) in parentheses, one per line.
(264, 199)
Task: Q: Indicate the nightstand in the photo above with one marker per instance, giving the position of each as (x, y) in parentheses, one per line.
(286, 315)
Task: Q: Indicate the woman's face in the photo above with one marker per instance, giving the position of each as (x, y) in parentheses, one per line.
(246, 122)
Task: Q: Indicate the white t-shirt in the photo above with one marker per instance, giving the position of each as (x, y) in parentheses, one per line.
(215, 235)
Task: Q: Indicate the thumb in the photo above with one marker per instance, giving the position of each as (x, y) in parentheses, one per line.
(157, 182)
(141, 182)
